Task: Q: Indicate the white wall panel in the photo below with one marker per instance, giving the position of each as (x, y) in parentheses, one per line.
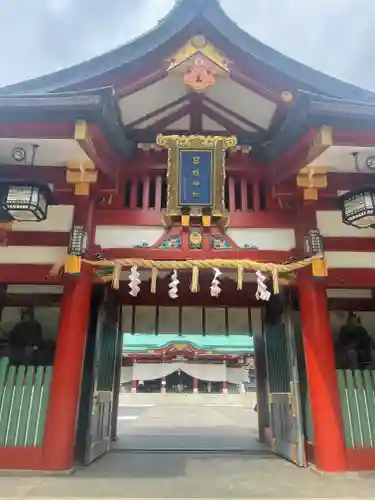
(264, 239)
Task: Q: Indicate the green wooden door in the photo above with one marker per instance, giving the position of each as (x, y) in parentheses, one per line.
(106, 343)
(283, 388)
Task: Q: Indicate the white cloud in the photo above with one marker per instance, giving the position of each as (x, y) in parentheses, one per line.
(41, 36)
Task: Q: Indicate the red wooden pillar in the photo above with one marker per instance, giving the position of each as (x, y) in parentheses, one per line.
(224, 386)
(61, 421)
(163, 389)
(322, 380)
(134, 384)
(195, 385)
(59, 437)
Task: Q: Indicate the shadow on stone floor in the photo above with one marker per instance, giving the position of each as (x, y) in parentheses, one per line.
(221, 438)
(190, 475)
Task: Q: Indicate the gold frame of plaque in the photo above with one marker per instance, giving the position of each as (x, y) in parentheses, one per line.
(196, 144)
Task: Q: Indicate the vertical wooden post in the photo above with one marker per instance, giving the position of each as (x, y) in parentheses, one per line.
(163, 388)
(158, 190)
(61, 421)
(3, 295)
(232, 195)
(134, 193)
(195, 385)
(146, 193)
(117, 379)
(134, 386)
(244, 200)
(256, 196)
(321, 375)
(261, 372)
(59, 438)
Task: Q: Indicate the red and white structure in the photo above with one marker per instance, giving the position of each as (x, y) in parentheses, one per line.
(88, 135)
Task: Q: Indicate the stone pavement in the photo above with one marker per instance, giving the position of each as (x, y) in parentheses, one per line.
(122, 475)
(243, 469)
(187, 423)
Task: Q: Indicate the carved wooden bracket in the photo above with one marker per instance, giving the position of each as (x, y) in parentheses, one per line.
(81, 174)
(5, 228)
(311, 179)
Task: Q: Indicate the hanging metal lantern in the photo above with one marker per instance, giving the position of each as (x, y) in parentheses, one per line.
(358, 207)
(313, 243)
(78, 241)
(24, 201)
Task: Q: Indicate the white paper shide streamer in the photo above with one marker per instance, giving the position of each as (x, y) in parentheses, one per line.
(215, 289)
(173, 285)
(262, 293)
(134, 282)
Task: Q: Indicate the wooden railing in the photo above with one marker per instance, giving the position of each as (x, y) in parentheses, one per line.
(24, 393)
(150, 193)
(357, 394)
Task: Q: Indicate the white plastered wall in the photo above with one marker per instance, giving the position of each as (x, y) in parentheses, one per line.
(127, 236)
(263, 239)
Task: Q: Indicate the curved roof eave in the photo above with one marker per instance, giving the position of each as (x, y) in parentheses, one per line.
(313, 110)
(216, 343)
(183, 13)
(96, 105)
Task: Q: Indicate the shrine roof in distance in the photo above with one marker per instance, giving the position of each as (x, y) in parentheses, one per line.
(214, 344)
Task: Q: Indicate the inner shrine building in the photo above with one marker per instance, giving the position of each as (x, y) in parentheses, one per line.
(200, 175)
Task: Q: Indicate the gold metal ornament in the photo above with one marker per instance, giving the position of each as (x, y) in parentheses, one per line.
(216, 146)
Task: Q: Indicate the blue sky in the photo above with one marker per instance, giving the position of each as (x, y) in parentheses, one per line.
(41, 36)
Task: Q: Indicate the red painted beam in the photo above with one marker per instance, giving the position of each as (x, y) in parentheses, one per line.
(88, 146)
(349, 244)
(350, 278)
(61, 239)
(225, 121)
(110, 161)
(360, 138)
(37, 239)
(154, 161)
(230, 112)
(293, 160)
(341, 304)
(50, 175)
(336, 182)
(156, 254)
(196, 118)
(18, 274)
(43, 130)
(145, 80)
(165, 121)
(39, 274)
(154, 113)
(123, 217)
(347, 181)
(34, 274)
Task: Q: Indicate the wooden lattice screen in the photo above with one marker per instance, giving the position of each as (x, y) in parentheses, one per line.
(24, 393)
(357, 393)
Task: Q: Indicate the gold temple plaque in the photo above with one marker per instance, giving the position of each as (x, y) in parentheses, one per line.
(196, 173)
